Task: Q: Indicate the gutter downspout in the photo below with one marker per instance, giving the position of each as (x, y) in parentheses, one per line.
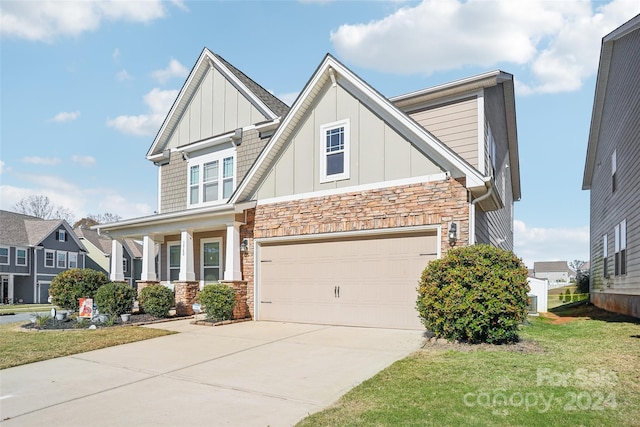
(472, 236)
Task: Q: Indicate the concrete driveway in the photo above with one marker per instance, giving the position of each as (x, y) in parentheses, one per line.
(245, 374)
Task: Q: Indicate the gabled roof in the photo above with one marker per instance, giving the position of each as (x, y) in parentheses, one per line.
(602, 81)
(25, 230)
(550, 266)
(103, 243)
(330, 69)
(269, 105)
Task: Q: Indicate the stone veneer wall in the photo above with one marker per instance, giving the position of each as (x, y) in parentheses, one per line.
(430, 203)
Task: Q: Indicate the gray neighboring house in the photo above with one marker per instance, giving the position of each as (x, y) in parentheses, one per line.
(99, 249)
(553, 271)
(32, 252)
(612, 175)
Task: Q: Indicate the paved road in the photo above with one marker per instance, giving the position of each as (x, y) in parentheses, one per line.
(245, 374)
(18, 317)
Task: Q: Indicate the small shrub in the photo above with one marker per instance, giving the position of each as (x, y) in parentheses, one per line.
(567, 296)
(583, 282)
(68, 286)
(475, 293)
(115, 298)
(218, 301)
(42, 319)
(156, 300)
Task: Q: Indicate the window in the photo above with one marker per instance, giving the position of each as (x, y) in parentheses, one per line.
(174, 261)
(614, 170)
(124, 265)
(62, 236)
(73, 260)
(21, 256)
(211, 178)
(334, 155)
(49, 257)
(605, 256)
(4, 255)
(211, 260)
(62, 259)
(620, 267)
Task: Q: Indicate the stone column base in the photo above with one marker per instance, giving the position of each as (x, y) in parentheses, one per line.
(186, 293)
(241, 309)
(144, 283)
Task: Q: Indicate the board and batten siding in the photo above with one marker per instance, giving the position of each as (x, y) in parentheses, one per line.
(377, 152)
(456, 125)
(496, 227)
(215, 108)
(620, 131)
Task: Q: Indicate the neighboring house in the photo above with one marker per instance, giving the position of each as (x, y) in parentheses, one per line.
(612, 175)
(99, 254)
(553, 271)
(32, 252)
(326, 212)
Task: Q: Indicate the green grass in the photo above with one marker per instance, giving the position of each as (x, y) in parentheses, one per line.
(587, 371)
(19, 346)
(24, 308)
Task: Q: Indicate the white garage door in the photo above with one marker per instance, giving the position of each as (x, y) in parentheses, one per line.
(356, 282)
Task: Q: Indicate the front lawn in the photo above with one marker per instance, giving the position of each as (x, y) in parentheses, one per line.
(581, 368)
(19, 346)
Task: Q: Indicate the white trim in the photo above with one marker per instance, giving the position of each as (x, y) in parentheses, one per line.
(8, 255)
(169, 244)
(454, 84)
(200, 161)
(472, 224)
(26, 257)
(69, 259)
(58, 260)
(49, 251)
(345, 124)
(220, 258)
(62, 234)
(356, 188)
(331, 236)
(482, 167)
(159, 190)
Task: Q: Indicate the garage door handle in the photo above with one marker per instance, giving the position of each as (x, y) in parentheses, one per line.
(336, 291)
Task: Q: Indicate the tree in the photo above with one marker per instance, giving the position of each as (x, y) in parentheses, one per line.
(105, 218)
(85, 222)
(576, 265)
(41, 207)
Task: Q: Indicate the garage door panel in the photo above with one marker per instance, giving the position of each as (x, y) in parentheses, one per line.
(377, 278)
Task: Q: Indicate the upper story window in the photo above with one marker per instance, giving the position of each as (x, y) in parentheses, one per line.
(73, 260)
(61, 259)
(21, 256)
(49, 258)
(614, 170)
(605, 256)
(620, 267)
(61, 235)
(334, 154)
(125, 265)
(211, 178)
(4, 255)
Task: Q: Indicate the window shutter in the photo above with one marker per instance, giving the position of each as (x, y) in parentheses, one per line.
(66, 236)
(57, 235)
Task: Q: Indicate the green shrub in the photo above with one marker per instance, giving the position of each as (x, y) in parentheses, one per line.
(475, 293)
(156, 300)
(218, 301)
(567, 296)
(115, 298)
(583, 282)
(68, 286)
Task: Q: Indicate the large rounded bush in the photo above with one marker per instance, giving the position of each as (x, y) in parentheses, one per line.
(68, 286)
(156, 300)
(115, 298)
(218, 301)
(475, 293)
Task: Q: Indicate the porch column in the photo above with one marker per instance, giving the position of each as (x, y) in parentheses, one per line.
(232, 254)
(116, 274)
(187, 273)
(10, 288)
(148, 260)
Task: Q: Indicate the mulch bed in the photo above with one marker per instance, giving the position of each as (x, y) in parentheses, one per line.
(70, 324)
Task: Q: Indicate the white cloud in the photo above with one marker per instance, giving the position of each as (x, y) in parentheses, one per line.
(159, 102)
(180, 5)
(64, 116)
(550, 244)
(288, 98)
(84, 160)
(45, 161)
(558, 42)
(116, 54)
(2, 169)
(49, 19)
(123, 75)
(174, 69)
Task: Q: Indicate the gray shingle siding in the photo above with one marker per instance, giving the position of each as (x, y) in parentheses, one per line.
(173, 187)
(248, 151)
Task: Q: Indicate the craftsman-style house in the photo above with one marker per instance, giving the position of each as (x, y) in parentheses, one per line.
(328, 211)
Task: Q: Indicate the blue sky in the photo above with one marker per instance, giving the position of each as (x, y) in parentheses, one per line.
(84, 86)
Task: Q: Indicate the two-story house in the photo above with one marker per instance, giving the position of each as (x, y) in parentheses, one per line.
(612, 175)
(328, 211)
(32, 252)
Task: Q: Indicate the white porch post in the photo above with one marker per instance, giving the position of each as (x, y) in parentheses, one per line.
(148, 260)
(116, 274)
(187, 273)
(232, 254)
(10, 288)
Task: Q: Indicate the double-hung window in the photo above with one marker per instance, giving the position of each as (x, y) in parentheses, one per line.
(605, 256)
(62, 235)
(173, 254)
(73, 260)
(4, 255)
(334, 151)
(621, 248)
(21, 257)
(61, 259)
(211, 178)
(124, 265)
(49, 258)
